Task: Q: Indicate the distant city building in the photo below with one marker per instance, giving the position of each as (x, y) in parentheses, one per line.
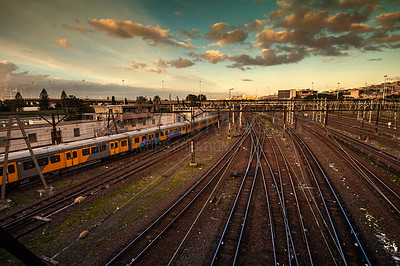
(287, 94)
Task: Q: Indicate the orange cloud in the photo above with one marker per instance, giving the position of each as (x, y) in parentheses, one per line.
(64, 43)
(129, 29)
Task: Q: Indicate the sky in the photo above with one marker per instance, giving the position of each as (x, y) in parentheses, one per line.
(130, 48)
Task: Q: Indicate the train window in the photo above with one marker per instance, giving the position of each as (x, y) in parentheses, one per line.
(11, 169)
(55, 158)
(166, 132)
(1, 171)
(162, 133)
(116, 144)
(28, 165)
(137, 140)
(43, 162)
(85, 152)
(144, 137)
(103, 147)
(112, 146)
(157, 134)
(74, 154)
(123, 143)
(95, 149)
(68, 156)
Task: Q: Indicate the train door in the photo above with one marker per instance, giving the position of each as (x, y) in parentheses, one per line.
(114, 147)
(68, 159)
(75, 159)
(12, 174)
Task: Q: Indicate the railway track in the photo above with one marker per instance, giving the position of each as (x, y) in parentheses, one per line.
(383, 189)
(150, 240)
(39, 213)
(335, 214)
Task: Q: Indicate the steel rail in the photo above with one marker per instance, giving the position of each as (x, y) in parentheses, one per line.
(240, 140)
(286, 160)
(234, 205)
(334, 194)
(359, 167)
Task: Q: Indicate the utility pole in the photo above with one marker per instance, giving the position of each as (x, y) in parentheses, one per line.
(192, 147)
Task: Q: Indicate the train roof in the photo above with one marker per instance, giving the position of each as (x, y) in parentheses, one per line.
(52, 149)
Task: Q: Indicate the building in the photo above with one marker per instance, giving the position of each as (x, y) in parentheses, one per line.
(287, 94)
(40, 134)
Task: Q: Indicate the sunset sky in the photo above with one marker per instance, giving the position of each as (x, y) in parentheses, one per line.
(137, 47)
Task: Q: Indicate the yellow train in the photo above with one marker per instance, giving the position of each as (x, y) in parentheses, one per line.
(75, 154)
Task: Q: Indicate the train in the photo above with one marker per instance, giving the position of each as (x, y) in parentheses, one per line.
(56, 158)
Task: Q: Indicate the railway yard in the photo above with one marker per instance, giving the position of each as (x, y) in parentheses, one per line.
(263, 193)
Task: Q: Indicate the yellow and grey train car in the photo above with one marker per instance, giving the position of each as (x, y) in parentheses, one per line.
(75, 154)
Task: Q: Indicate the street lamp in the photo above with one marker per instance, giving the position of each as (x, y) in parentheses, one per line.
(338, 90)
(230, 93)
(200, 86)
(84, 89)
(162, 87)
(123, 88)
(384, 86)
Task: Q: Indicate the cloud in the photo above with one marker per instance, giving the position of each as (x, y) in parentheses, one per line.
(160, 63)
(232, 37)
(327, 60)
(193, 34)
(224, 34)
(156, 70)
(389, 21)
(246, 80)
(128, 29)
(268, 57)
(80, 28)
(179, 13)
(136, 65)
(216, 31)
(255, 26)
(64, 43)
(6, 67)
(375, 59)
(180, 63)
(213, 56)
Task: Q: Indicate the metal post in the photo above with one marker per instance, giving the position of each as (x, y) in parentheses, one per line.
(32, 154)
(7, 148)
(15, 247)
(363, 114)
(240, 117)
(192, 151)
(370, 113)
(229, 130)
(377, 118)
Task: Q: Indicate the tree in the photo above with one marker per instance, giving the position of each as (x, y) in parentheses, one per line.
(157, 99)
(113, 102)
(191, 97)
(141, 100)
(202, 97)
(157, 102)
(18, 102)
(64, 100)
(44, 101)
